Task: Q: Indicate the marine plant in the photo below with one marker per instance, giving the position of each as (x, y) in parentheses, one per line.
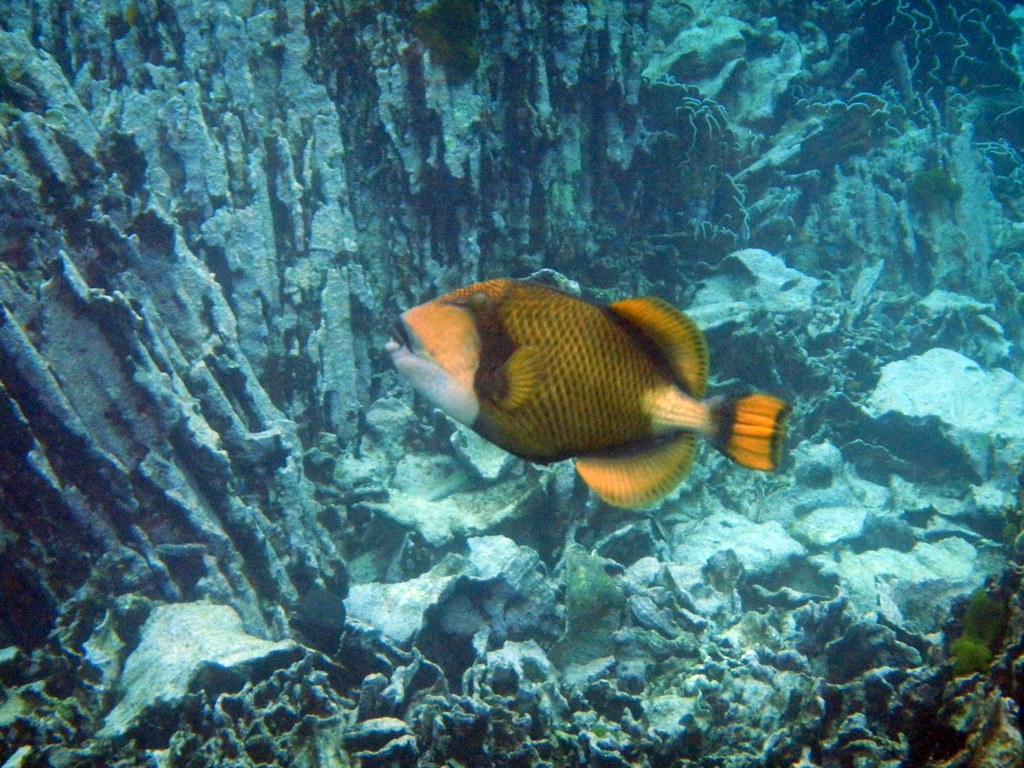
(984, 624)
(933, 189)
(683, 129)
(593, 608)
(449, 28)
(969, 656)
(967, 43)
(1014, 527)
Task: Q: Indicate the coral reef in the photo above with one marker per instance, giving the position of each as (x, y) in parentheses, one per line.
(230, 536)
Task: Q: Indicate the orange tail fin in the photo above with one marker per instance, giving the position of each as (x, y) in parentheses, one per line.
(749, 430)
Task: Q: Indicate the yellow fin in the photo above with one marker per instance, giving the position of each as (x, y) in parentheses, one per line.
(523, 373)
(749, 430)
(639, 479)
(675, 335)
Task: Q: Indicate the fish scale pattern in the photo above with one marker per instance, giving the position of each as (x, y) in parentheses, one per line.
(589, 398)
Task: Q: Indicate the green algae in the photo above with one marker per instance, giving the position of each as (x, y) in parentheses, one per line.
(593, 609)
(449, 29)
(933, 189)
(983, 627)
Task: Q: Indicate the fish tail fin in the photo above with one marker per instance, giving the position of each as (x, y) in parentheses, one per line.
(750, 429)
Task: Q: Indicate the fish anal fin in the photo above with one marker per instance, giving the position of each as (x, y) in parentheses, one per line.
(674, 334)
(523, 373)
(750, 429)
(641, 478)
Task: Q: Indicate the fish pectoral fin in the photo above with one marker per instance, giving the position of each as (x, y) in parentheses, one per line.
(523, 373)
(641, 478)
(675, 335)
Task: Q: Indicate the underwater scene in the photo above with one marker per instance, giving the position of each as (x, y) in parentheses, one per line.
(511, 383)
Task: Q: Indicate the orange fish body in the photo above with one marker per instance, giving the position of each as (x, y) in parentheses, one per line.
(548, 376)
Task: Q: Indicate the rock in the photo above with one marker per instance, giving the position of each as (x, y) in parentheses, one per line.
(866, 646)
(496, 590)
(747, 281)
(828, 502)
(581, 674)
(18, 757)
(911, 589)
(103, 650)
(986, 724)
(428, 477)
(524, 670)
(826, 526)
(763, 549)
(979, 414)
(701, 51)
(333, 344)
(397, 610)
(178, 642)
(964, 323)
(389, 416)
(505, 592)
(817, 465)
(743, 67)
(485, 458)
(381, 741)
(673, 719)
(459, 514)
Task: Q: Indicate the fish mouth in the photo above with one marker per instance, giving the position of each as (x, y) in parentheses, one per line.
(399, 336)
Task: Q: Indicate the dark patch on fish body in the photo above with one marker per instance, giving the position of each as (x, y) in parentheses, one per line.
(491, 382)
(651, 351)
(724, 416)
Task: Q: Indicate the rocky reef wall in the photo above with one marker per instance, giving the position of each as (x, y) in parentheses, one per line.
(209, 214)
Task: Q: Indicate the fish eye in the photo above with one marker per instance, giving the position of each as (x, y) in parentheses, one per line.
(478, 301)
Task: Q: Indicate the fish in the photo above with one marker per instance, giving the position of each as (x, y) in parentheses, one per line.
(618, 388)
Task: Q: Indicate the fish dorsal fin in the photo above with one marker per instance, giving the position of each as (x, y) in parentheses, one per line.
(639, 479)
(675, 335)
(522, 374)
